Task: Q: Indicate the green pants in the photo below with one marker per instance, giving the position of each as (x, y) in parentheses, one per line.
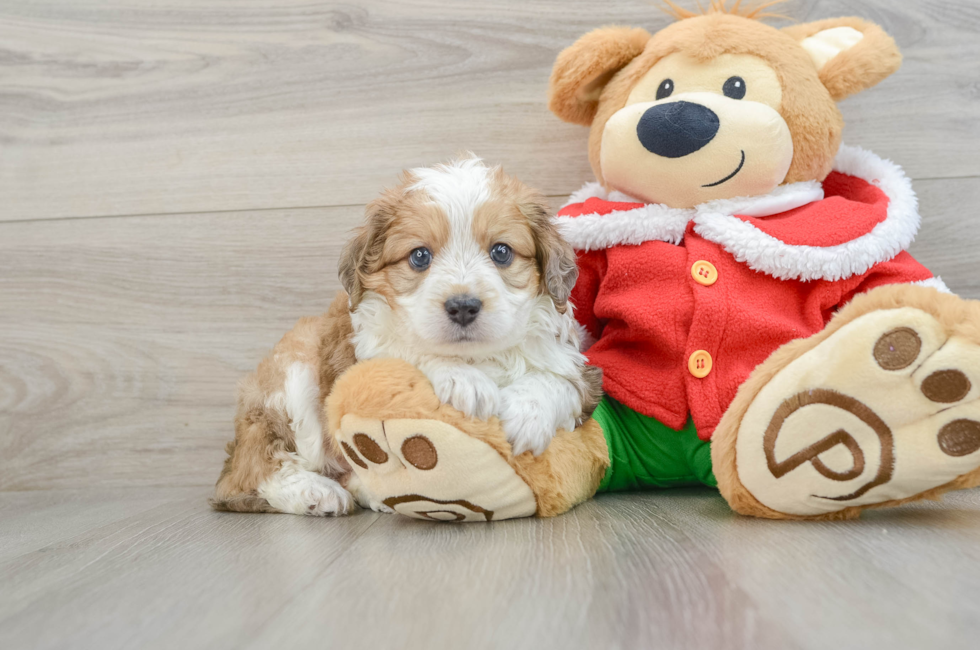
(644, 453)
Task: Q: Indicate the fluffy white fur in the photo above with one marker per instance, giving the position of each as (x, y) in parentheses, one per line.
(298, 491)
(299, 486)
(656, 222)
(765, 253)
(519, 360)
(936, 283)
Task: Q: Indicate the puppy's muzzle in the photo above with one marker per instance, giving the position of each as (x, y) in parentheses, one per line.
(463, 309)
(676, 129)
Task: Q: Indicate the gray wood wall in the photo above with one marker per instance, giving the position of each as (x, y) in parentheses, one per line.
(177, 178)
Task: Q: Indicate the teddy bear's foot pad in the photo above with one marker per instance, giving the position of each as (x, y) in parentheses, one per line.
(429, 469)
(884, 409)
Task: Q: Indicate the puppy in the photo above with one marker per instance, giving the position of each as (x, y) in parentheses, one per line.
(459, 271)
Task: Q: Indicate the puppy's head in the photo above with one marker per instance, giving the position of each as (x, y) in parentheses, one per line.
(462, 254)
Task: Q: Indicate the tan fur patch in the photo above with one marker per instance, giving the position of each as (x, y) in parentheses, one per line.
(263, 437)
(417, 222)
(397, 223)
(500, 221)
(555, 258)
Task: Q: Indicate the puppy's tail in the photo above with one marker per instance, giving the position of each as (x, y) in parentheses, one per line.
(241, 503)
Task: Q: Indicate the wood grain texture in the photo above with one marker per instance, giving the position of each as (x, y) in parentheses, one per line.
(164, 106)
(674, 569)
(123, 339)
(175, 575)
(249, 133)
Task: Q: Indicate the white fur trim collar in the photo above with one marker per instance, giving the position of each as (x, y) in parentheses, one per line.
(760, 251)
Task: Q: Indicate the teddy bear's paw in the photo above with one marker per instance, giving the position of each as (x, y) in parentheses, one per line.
(884, 409)
(429, 469)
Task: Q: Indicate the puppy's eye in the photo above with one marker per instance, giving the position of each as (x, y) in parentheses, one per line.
(501, 254)
(734, 88)
(420, 258)
(665, 88)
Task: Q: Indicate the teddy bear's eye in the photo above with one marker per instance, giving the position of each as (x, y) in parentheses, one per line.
(666, 87)
(734, 88)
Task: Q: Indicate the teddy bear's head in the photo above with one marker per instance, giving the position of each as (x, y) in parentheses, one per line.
(716, 106)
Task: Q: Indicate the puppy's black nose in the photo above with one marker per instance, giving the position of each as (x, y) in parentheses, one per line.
(463, 309)
(676, 129)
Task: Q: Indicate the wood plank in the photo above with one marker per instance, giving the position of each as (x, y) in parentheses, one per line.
(175, 575)
(894, 578)
(170, 106)
(610, 574)
(123, 338)
(32, 520)
(672, 568)
(949, 237)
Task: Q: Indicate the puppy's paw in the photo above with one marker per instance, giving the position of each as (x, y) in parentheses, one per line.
(528, 425)
(466, 389)
(301, 492)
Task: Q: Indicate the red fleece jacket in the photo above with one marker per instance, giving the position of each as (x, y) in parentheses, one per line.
(648, 315)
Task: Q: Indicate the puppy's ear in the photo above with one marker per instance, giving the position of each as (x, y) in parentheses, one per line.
(850, 54)
(351, 261)
(583, 69)
(555, 257)
(362, 255)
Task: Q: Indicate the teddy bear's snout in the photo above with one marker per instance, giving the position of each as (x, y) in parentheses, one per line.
(676, 129)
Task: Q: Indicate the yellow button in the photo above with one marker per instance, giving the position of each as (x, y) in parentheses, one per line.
(704, 272)
(699, 364)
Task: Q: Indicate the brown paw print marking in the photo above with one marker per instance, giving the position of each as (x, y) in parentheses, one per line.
(370, 449)
(420, 452)
(839, 437)
(421, 502)
(897, 349)
(352, 455)
(959, 437)
(946, 386)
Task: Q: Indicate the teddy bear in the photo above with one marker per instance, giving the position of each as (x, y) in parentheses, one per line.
(744, 285)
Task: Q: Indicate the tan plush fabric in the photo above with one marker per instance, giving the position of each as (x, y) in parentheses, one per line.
(807, 107)
(809, 96)
(956, 318)
(429, 469)
(867, 63)
(581, 70)
(387, 390)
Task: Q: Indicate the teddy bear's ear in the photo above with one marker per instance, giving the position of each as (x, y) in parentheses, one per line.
(583, 69)
(850, 54)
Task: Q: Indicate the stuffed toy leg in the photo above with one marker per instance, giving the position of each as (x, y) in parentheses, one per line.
(415, 456)
(879, 409)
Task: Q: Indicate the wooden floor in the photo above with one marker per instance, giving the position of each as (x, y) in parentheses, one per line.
(176, 180)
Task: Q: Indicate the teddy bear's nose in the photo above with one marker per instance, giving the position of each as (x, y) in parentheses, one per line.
(676, 129)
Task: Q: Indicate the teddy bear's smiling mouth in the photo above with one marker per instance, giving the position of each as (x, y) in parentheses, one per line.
(730, 176)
